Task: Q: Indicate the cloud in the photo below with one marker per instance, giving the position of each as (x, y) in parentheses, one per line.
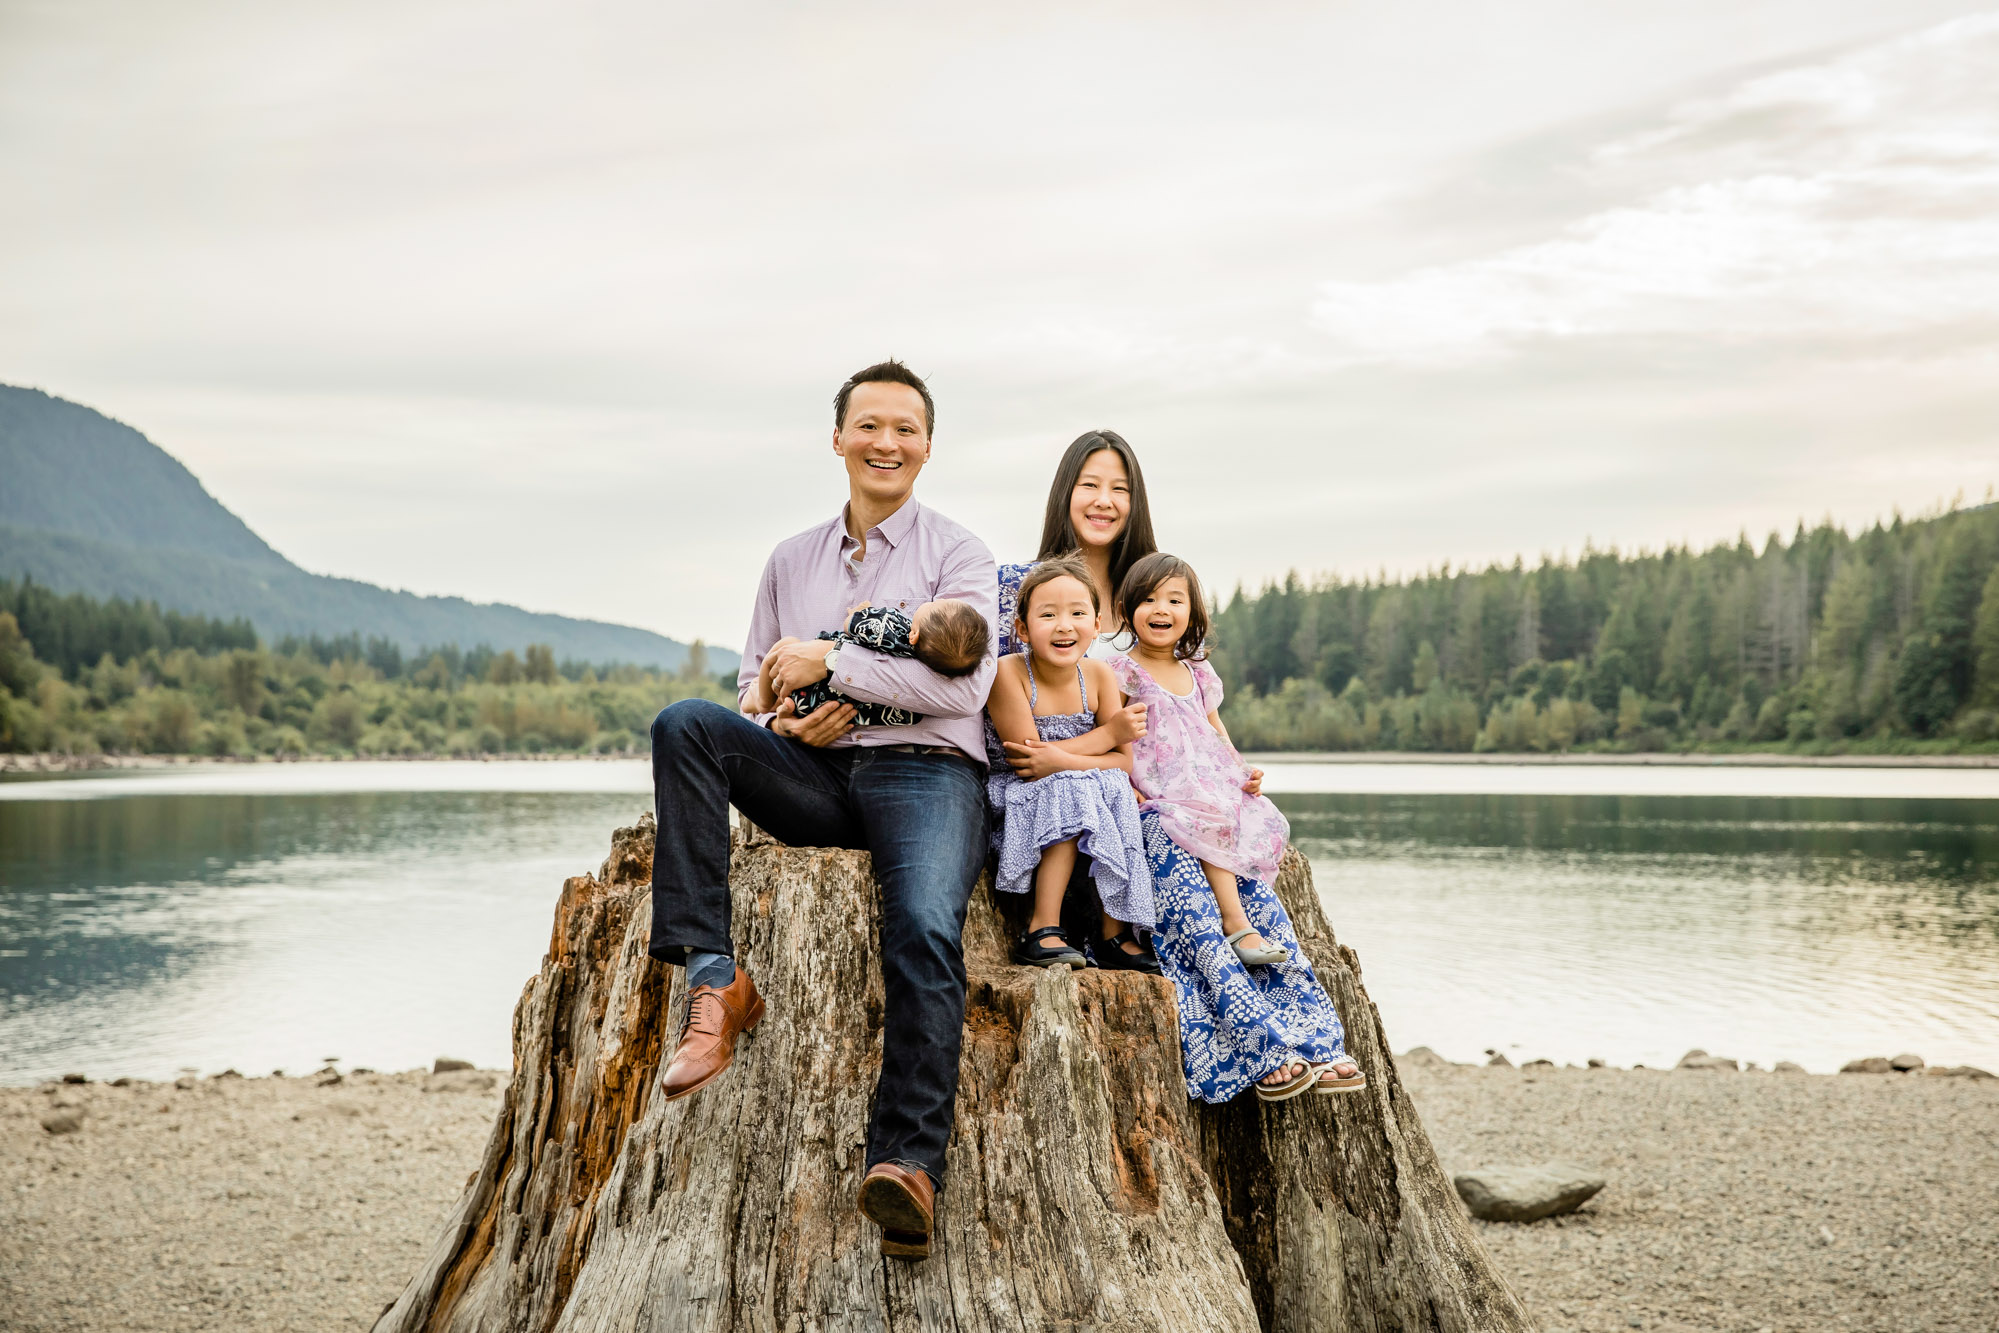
(1852, 199)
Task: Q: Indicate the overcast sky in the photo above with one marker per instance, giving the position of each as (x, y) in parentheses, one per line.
(546, 303)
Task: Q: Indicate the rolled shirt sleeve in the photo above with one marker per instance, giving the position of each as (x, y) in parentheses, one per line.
(763, 633)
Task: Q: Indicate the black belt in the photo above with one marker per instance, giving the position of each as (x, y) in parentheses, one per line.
(951, 751)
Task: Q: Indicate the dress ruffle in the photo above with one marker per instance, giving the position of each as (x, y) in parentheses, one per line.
(1097, 809)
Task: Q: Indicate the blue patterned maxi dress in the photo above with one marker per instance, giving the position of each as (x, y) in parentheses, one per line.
(1236, 1023)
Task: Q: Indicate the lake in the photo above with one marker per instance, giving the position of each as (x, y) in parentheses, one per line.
(274, 916)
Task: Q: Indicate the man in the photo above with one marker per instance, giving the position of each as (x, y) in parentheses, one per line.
(912, 795)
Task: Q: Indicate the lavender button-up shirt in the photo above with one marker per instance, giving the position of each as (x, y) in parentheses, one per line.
(915, 555)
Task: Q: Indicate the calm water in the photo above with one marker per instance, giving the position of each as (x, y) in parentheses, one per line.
(271, 917)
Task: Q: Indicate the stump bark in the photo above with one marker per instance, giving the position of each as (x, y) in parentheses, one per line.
(1085, 1191)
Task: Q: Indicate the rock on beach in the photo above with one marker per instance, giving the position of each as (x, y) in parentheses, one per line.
(63, 1120)
(1527, 1193)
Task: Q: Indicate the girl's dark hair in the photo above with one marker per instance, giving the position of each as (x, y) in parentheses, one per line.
(1145, 578)
(1058, 536)
(1046, 572)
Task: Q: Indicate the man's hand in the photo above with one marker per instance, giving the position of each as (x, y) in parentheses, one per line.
(796, 663)
(764, 699)
(1127, 724)
(1255, 784)
(821, 727)
(1036, 758)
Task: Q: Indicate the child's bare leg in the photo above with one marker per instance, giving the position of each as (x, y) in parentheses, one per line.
(1113, 926)
(1230, 902)
(1051, 882)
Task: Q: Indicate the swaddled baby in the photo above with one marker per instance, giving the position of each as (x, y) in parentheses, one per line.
(948, 636)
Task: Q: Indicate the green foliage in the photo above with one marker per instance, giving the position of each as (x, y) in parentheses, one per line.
(74, 631)
(195, 687)
(1883, 640)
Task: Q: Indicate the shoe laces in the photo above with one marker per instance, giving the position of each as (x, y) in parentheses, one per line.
(704, 1012)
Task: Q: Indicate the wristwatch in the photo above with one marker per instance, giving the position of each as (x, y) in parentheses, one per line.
(832, 655)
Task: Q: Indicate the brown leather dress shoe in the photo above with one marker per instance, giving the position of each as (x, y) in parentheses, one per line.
(715, 1016)
(900, 1202)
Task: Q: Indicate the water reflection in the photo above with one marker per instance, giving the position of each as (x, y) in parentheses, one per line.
(1636, 927)
(143, 934)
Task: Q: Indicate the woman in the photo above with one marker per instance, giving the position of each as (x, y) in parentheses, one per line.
(1236, 1027)
(1097, 512)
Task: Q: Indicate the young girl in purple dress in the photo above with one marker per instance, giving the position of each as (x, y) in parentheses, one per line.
(1085, 806)
(1251, 1008)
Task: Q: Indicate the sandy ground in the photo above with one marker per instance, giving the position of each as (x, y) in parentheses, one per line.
(1786, 1202)
(265, 1204)
(1736, 1201)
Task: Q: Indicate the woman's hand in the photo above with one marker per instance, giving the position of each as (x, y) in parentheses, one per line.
(821, 727)
(1254, 786)
(1036, 758)
(1127, 724)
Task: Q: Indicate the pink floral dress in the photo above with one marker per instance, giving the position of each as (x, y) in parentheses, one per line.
(1193, 778)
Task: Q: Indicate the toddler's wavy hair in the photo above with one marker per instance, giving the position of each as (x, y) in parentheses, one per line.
(1043, 574)
(1144, 579)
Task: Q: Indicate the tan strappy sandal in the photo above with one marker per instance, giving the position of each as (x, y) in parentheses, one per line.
(1325, 1080)
(1290, 1087)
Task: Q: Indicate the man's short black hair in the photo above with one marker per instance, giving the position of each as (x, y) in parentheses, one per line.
(885, 372)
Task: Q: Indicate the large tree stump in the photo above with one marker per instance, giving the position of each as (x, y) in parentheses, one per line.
(1085, 1191)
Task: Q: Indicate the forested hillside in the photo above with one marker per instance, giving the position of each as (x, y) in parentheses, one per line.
(1885, 640)
(81, 676)
(90, 505)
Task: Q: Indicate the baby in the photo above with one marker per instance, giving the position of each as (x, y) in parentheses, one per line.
(948, 636)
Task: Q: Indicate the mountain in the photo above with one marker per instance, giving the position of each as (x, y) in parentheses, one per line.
(88, 504)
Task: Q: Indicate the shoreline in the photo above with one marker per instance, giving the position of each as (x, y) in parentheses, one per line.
(305, 1203)
(114, 763)
(1656, 759)
(17, 764)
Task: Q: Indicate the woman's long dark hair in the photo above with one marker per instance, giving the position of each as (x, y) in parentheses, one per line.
(1058, 536)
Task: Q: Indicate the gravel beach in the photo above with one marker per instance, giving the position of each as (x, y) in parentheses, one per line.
(1787, 1202)
(231, 1203)
(1796, 1203)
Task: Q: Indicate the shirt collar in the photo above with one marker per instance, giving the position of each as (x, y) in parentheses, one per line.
(895, 529)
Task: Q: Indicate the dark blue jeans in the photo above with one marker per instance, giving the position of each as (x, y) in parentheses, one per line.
(923, 816)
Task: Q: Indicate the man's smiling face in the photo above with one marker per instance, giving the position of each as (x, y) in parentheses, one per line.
(884, 440)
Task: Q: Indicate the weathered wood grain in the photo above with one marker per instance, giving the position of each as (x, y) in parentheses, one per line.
(1085, 1192)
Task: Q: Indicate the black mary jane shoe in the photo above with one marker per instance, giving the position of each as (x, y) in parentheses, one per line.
(1111, 957)
(1031, 952)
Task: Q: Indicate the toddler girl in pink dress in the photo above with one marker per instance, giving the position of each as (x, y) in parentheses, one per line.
(1251, 1009)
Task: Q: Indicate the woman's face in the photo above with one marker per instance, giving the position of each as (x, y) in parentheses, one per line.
(1060, 621)
(1101, 502)
(1160, 620)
